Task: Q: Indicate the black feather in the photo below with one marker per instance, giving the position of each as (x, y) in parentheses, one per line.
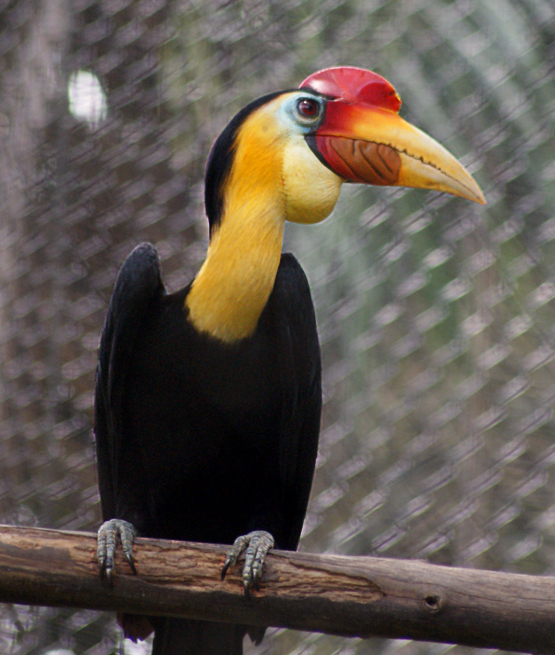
(200, 440)
(220, 160)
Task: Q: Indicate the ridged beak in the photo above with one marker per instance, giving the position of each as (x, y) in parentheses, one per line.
(363, 139)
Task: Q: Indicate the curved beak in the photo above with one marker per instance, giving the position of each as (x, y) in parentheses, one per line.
(372, 145)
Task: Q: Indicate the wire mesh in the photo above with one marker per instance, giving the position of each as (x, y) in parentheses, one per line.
(436, 317)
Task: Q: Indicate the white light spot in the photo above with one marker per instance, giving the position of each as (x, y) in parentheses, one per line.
(139, 648)
(87, 100)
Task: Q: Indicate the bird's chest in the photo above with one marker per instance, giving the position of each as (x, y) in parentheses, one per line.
(237, 381)
(188, 379)
(199, 411)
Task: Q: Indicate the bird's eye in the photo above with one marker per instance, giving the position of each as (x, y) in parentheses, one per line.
(308, 108)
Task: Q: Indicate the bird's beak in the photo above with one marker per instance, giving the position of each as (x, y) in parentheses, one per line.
(363, 139)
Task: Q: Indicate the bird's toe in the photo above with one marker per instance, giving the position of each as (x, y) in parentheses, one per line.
(256, 546)
(111, 532)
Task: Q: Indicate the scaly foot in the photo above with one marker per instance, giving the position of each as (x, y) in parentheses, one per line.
(109, 534)
(257, 544)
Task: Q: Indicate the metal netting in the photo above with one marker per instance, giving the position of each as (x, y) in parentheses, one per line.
(436, 316)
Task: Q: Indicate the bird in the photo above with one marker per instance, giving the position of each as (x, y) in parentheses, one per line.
(208, 400)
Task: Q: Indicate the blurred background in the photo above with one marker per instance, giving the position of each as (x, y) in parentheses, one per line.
(436, 316)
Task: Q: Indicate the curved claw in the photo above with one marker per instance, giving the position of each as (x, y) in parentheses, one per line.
(257, 545)
(109, 534)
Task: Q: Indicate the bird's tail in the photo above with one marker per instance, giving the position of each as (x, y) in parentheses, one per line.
(187, 637)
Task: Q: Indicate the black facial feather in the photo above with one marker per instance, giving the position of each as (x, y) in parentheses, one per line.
(220, 160)
(312, 144)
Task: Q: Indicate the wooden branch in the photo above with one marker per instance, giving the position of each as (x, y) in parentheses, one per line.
(350, 596)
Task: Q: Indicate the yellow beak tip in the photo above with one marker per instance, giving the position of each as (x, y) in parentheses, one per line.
(476, 195)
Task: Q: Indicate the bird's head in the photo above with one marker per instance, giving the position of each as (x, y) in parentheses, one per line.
(341, 125)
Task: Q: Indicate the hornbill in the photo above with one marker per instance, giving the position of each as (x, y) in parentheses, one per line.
(207, 400)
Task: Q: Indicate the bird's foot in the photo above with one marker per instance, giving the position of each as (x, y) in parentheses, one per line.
(257, 545)
(109, 534)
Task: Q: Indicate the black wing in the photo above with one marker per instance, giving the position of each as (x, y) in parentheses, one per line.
(301, 372)
(138, 284)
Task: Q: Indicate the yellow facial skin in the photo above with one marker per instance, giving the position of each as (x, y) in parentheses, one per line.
(311, 190)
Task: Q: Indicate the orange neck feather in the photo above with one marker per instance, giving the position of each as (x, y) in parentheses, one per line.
(234, 283)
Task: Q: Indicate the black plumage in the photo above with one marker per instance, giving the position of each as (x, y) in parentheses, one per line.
(201, 440)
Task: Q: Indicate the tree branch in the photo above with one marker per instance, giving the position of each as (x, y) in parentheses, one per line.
(350, 596)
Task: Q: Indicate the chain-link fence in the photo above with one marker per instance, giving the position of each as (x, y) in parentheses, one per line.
(436, 316)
